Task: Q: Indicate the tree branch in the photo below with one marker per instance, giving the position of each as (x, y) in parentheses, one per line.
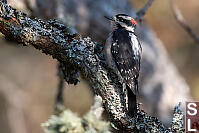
(55, 39)
(79, 53)
(143, 10)
(180, 19)
(59, 107)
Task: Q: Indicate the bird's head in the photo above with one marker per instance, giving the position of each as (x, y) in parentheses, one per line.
(123, 21)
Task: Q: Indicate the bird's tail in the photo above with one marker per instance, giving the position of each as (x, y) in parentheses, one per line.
(132, 106)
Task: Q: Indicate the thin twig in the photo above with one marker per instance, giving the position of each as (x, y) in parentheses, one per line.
(180, 19)
(59, 107)
(143, 10)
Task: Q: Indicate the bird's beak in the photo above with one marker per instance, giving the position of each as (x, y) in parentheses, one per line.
(109, 18)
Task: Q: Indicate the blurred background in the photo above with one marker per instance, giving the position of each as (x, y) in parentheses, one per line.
(182, 49)
(28, 78)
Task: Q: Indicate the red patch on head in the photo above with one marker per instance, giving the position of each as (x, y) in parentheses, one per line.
(133, 21)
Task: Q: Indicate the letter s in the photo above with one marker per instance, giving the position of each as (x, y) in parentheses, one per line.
(193, 109)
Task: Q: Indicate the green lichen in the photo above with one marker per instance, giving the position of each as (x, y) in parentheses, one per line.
(69, 122)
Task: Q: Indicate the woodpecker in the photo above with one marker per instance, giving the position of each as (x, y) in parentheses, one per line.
(123, 53)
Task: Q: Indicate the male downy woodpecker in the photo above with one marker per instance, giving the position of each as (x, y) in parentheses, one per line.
(123, 53)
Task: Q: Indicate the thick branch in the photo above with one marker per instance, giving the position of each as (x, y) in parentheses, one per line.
(54, 39)
(180, 19)
(80, 54)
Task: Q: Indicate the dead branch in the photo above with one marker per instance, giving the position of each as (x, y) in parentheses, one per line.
(143, 10)
(59, 107)
(180, 19)
(82, 54)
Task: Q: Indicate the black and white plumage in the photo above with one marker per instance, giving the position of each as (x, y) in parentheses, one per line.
(123, 54)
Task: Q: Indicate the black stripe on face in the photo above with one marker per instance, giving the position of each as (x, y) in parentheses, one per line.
(126, 21)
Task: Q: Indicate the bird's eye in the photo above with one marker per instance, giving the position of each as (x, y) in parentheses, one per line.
(120, 19)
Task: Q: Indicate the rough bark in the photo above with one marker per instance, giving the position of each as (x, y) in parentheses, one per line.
(82, 54)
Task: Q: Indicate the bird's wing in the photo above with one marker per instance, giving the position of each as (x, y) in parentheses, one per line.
(128, 63)
(107, 51)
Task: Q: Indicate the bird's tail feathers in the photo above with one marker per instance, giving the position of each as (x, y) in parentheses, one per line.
(132, 106)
